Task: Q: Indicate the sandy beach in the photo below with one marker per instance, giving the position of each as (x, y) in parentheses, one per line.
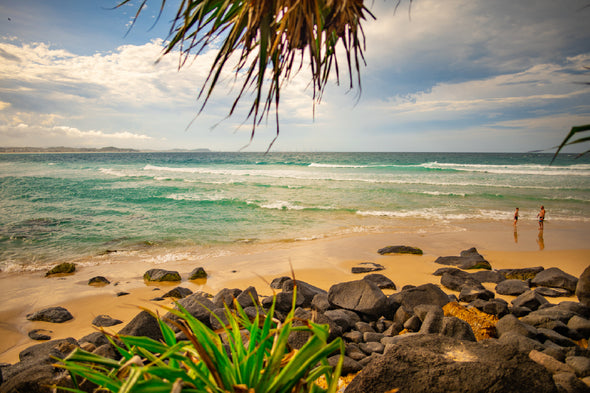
(321, 262)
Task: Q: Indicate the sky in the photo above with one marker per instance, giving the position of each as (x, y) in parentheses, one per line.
(444, 76)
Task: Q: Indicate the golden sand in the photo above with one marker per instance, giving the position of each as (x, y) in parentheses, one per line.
(322, 263)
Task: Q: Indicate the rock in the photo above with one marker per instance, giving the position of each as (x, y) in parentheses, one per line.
(527, 273)
(492, 276)
(529, 299)
(143, 324)
(226, 297)
(346, 319)
(349, 366)
(62, 268)
(551, 364)
(320, 302)
(551, 335)
(277, 283)
(96, 338)
(522, 343)
(105, 320)
(38, 334)
(583, 287)
(434, 363)
(497, 307)
(354, 352)
(458, 279)
(568, 383)
(578, 308)
(580, 364)
(423, 294)
(122, 293)
(45, 352)
(107, 351)
(360, 296)
(512, 287)
(469, 294)
(456, 328)
(353, 336)
(552, 292)
(580, 325)
(198, 305)
(304, 290)
(371, 347)
(197, 273)
(469, 259)
(98, 281)
(509, 323)
(413, 324)
(545, 315)
(367, 267)
(160, 275)
(400, 250)
(380, 280)
(178, 293)
(555, 278)
(51, 314)
(248, 298)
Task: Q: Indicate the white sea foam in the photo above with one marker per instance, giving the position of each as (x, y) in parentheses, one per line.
(521, 169)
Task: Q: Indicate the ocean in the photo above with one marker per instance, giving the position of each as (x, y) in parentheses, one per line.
(60, 207)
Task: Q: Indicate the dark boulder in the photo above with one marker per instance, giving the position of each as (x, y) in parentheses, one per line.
(226, 297)
(248, 298)
(492, 276)
(160, 275)
(380, 280)
(143, 324)
(320, 302)
(496, 306)
(400, 250)
(510, 324)
(360, 296)
(305, 291)
(434, 363)
(552, 292)
(423, 294)
(527, 273)
(105, 321)
(583, 287)
(468, 259)
(62, 268)
(98, 281)
(555, 278)
(40, 334)
(367, 267)
(580, 325)
(197, 273)
(346, 319)
(198, 305)
(458, 279)
(512, 287)
(278, 282)
(529, 299)
(178, 293)
(457, 328)
(51, 314)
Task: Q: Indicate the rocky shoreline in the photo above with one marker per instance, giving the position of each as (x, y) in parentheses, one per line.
(417, 339)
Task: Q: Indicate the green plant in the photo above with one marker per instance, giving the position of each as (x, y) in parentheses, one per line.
(246, 355)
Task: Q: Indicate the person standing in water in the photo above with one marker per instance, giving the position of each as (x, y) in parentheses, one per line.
(515, 216)
(541, 217)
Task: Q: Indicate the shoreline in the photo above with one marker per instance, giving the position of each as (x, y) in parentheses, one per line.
(320, 262)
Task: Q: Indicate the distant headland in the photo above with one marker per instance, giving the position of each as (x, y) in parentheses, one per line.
(109, 149)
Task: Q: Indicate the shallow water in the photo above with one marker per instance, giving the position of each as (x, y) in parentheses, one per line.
(62, 206)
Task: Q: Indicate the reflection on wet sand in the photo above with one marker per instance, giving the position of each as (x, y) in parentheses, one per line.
(540, 240)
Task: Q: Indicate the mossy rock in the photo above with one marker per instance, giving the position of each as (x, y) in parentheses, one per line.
(62, 268)
(400, 250)
(161, 275)
(197, 274)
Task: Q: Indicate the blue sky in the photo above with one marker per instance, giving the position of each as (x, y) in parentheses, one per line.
(458, 75)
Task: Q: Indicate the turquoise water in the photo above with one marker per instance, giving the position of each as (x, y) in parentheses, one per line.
(61, 206)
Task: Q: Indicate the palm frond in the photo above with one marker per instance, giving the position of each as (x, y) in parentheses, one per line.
(261, 41)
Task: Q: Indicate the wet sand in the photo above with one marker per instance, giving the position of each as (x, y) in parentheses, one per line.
(321, 262)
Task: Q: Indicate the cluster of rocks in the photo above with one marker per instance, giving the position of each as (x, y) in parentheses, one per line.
(419, 339)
